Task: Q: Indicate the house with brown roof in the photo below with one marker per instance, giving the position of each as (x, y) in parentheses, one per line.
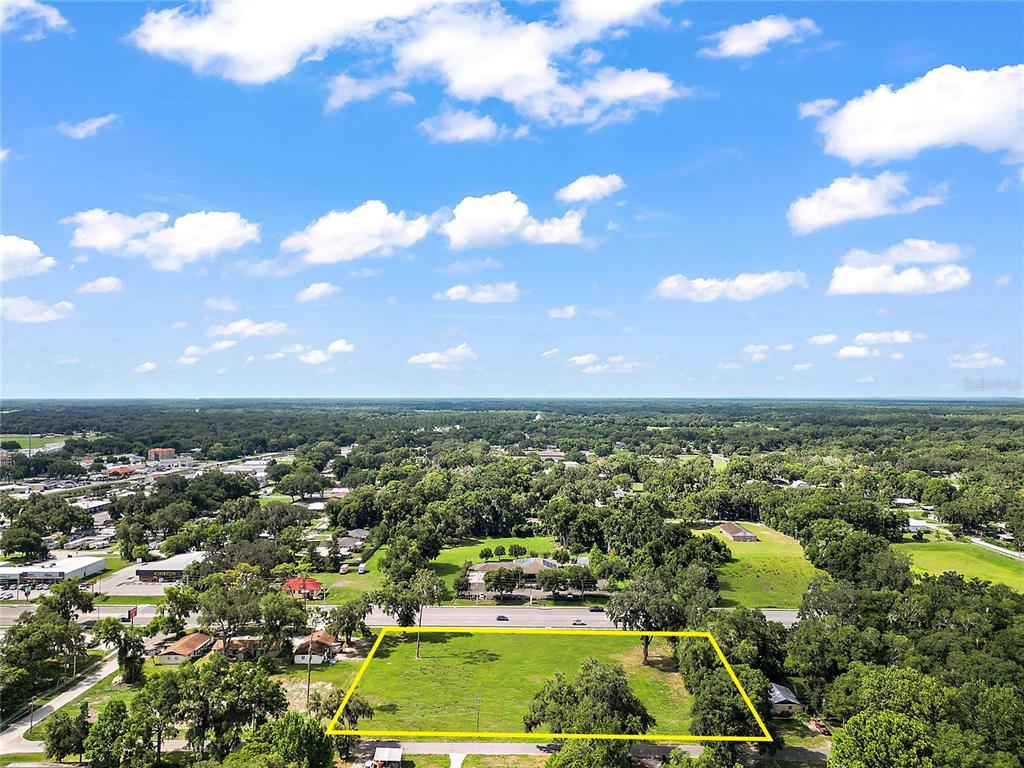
(188, 648)
(316, 649)
(246, 649)
(735, 532)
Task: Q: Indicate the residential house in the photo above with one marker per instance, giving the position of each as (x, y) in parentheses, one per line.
(305, 588)
(247, 649)
(316, 649)
(188, 648)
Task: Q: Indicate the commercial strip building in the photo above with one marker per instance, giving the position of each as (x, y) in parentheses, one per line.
(171, 569)
(52, 571)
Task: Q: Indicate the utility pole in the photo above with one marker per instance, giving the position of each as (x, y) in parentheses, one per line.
(309, 649)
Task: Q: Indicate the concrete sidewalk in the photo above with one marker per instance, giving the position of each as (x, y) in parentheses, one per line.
(13, 739)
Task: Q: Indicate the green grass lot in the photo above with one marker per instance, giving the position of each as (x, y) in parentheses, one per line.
(337, 675)
(22, 757)
(275, 497)
(100, 694)
(449, 562)
(797, 733)
(129, 600)
(37, 442)
(475, 761)
(458, 674)
(937, 557)
(114, 563)
(353, 584)
(769, 573)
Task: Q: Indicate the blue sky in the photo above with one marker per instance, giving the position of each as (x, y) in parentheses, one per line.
(281, 200)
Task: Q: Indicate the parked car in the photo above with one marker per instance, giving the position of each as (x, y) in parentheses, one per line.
(820, 727)
(502, 617)
(597, 609)
(579, 623)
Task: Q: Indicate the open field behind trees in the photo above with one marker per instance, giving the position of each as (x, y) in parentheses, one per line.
(769, 573)
(353, 584)
(936, 557)
(449, 562)
(36, 442)
(498, 675)
(475, 761)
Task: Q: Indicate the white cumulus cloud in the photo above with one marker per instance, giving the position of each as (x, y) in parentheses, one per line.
(488, 293)
(550, 353)
(850, 198)
(32, 16)
(823, 338)
(246, 328)
(588, 358)
(367, 230)
(591, 187)
(945, 107)
(887, 337)
(864, 272)
(221, 304)
(493, 220)
(449, 359)
(145, 367)
(856, 351)
(22, 258)
(108, 284)
(975, 360)
(756, 37)
(743, 287)
(315, 292)
(477, 51)
(22, 309)
(454, 126)
(190, 238)
(562, 313)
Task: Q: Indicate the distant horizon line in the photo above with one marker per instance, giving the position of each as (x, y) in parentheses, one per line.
(528, 398)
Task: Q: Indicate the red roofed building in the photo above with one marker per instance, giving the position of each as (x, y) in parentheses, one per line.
(121, 471)
(303, 586)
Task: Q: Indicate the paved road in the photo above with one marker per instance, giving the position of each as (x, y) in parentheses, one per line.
(434, 616)
(993, 548)
(13, 738)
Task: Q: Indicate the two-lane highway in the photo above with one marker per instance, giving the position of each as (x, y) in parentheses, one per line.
(433, 616)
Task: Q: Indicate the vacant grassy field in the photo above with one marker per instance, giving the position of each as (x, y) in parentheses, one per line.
(769, 573)
(940, 556)
(37, 442)
(475, 761)
(353, 584)
(337, 675)
(448, 563)
(797, 733)
(461, 675)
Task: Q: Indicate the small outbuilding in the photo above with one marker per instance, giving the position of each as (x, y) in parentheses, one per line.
(387, 757)
(784, 701)
(736, 532)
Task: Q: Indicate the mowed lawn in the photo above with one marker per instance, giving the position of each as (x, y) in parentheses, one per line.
(448, 564)
(937, 557)
(36, 442)
(769, 573)
(459, 675)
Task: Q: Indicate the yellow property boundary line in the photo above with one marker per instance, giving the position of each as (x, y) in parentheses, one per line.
(333, 730)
